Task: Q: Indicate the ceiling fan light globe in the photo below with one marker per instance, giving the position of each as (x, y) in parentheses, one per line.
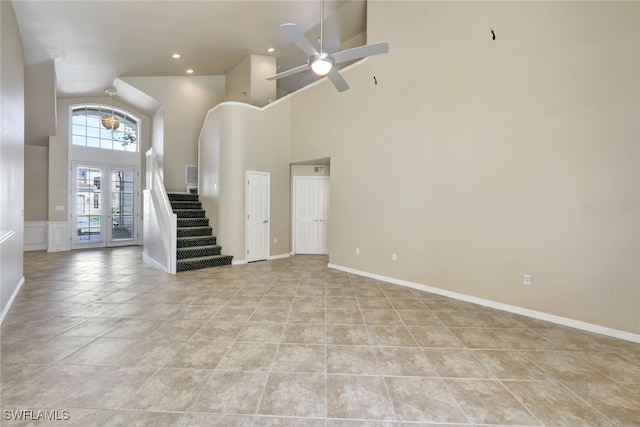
(321, 65)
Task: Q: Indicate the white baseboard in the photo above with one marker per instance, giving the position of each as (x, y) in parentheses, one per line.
(281, 256)
(153, 263)
(239, 262)
(615, 333)
(5, 310)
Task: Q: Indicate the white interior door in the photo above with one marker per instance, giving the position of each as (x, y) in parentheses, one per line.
(257, 207)
(311, 215)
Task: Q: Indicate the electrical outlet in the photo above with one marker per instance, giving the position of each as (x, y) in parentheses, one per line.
(357, 251)
(394, 257)
(275, 240)
(526, 279)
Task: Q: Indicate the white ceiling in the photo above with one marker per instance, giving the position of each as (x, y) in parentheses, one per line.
(94, 41)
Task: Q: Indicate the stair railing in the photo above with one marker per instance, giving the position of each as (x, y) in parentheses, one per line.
(166, 220)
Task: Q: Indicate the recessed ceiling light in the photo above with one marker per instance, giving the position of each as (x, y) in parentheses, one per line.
(189, 71)
(270, 50)
(176, 56)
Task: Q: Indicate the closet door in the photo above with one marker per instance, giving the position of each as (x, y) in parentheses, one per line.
(311, 215)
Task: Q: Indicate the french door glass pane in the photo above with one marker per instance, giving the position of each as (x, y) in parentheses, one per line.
(88, 205)
(122, 204)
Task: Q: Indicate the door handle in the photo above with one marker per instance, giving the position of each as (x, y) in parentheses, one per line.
(265, 221)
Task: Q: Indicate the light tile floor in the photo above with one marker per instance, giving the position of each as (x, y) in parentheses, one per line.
(291, 343)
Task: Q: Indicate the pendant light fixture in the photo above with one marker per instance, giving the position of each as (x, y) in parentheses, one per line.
(110, 121)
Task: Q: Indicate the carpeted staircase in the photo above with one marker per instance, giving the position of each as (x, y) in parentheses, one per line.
(197, 246)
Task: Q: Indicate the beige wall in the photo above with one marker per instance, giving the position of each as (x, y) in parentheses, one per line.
(11, 156)
(477, 161)
(186, 100)
(238, 82)
(238, 137)
(247, 82)
(36, 183)
(40, 103)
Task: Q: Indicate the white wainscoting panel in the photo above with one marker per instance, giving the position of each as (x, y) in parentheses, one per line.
(35, 235)
(58, 236)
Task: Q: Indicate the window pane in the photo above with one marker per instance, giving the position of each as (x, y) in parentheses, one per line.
(79, 120)
(93, 142)
(106, 144)
(93, 121)
(79, 140)
(93, 132)
(78, 130)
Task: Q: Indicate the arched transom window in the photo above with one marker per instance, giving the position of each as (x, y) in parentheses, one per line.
(88, 129)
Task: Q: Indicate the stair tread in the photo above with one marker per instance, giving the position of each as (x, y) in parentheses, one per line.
(196, 226)
(193, 248)
(204, 258)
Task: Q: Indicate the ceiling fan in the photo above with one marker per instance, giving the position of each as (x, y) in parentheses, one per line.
(323, 63)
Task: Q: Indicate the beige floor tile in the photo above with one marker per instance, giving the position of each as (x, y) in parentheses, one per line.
(435, 337)
(352, 360)
(344, 317)
(565, 366)
(390, 335)
(478, 338)
(347, 335)
(169, 390)
(215, 420)
(297, 395)
(49, 387)
(615, 402)
(261, 332)
(490, 402)
(381, 317)
(95, 328)
(228, 392)
(265, 421)
(300, 358)
(404, 361)
(304, 333)
(510, 365)
(308, 315)
(423, 399)
(457, 364)
(109, 389)
(198, 355)
(134, 328)
(554, 404)
(149, 353)
(358, 397)
(248, 357)
(47, 350)
(102, 351)
(218, 331)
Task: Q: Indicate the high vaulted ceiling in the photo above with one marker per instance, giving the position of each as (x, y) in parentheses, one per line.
(94, 41)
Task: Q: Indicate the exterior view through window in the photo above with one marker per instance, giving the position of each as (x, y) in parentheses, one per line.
(87, 129)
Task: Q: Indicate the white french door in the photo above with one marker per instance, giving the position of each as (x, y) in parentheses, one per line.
(311, 215)
(257, 208)
(104, 209)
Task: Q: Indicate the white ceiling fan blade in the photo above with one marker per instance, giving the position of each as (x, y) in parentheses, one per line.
(337, 80)
(360, 52)
(299, 39)
(290, 72)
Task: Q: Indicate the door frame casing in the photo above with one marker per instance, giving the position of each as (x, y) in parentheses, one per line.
(246, 219)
